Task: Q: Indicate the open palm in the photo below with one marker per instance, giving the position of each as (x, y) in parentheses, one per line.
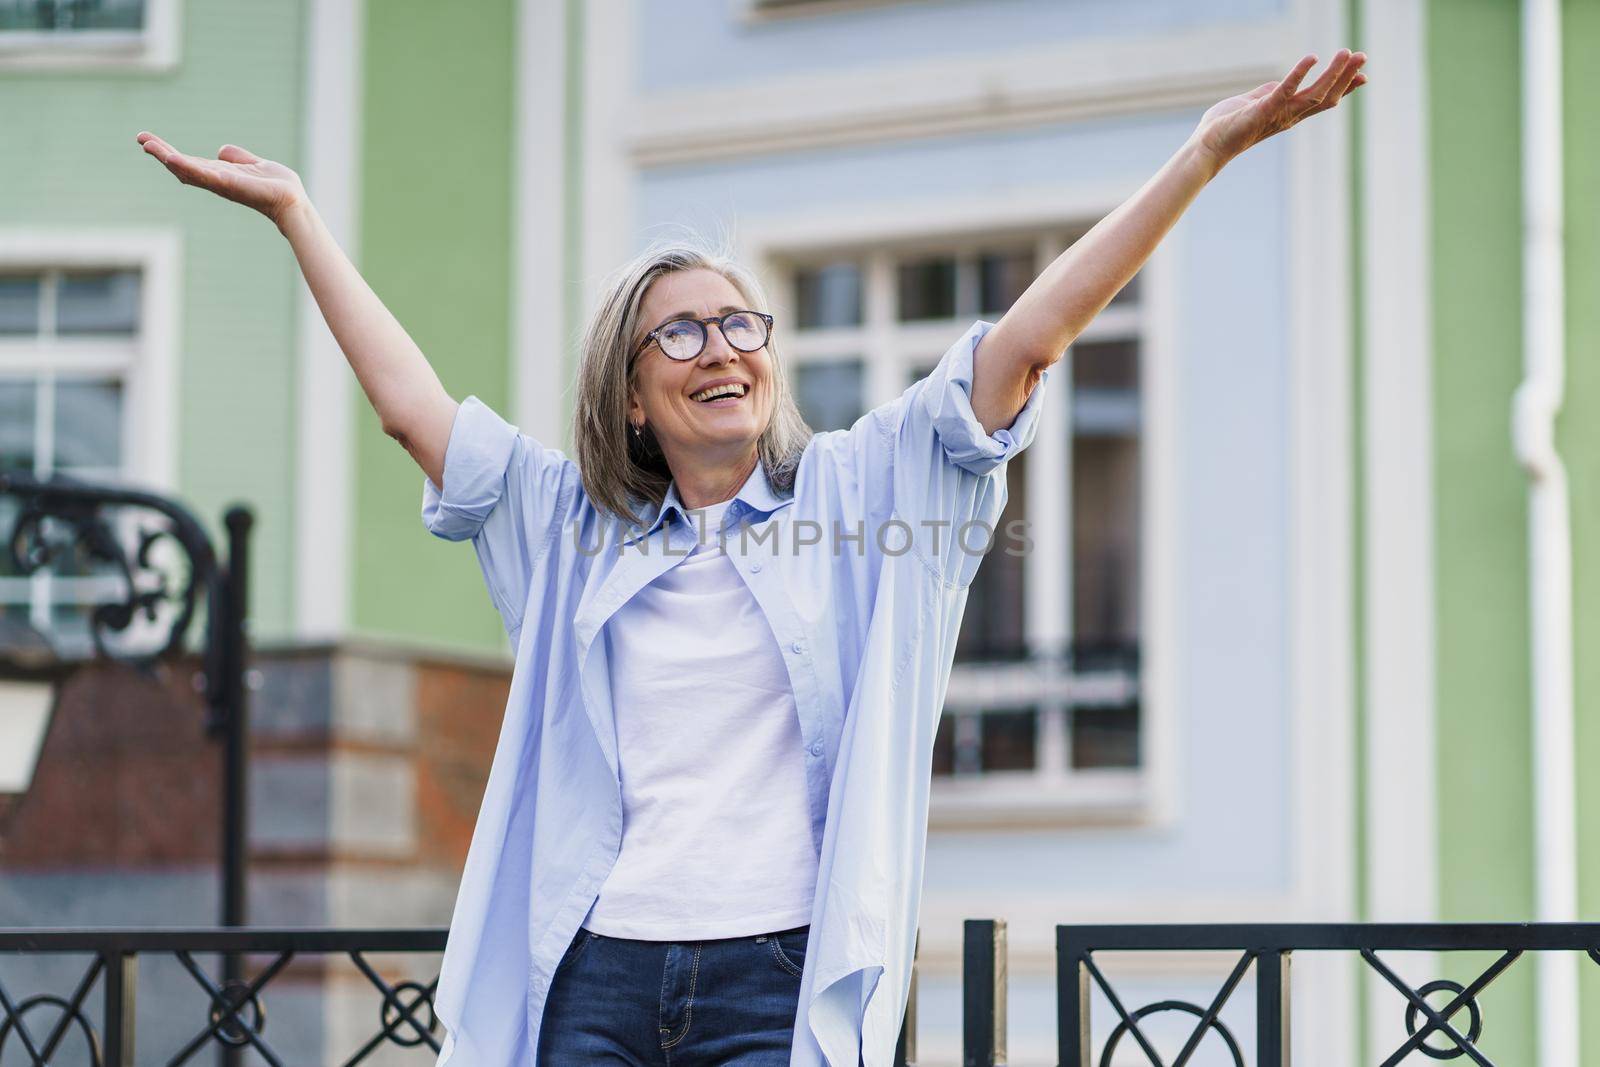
(1238, 122)
(237, 174)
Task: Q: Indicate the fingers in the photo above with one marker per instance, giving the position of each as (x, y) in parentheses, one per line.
(155, 146)
(1330, 77)
(1342, 85)
(232, 153)
(1292, 80)
(189, 170)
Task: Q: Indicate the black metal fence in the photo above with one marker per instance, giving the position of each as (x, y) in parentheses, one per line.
(1435, 1030)
(48, 1029)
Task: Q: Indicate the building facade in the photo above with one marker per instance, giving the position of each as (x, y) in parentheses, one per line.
(1270, 653)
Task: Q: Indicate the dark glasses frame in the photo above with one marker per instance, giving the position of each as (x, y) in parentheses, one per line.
(705, 334)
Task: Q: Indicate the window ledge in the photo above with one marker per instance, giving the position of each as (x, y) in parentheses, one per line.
(1029, 801)
(21, 50)
(757, 12)
(153, 48)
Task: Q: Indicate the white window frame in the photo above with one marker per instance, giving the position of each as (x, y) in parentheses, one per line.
(1054, 794)
(145, 366)
(155, 47)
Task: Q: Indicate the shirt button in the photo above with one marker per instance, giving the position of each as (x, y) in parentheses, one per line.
(798, 647)
(816, 748)
(755, 567)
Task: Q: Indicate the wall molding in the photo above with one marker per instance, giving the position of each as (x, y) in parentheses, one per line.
(539, 267)
(325, 399)
(1397, 458)
(760, 12)
(892, 102)
(1321, 697)
(609, 180)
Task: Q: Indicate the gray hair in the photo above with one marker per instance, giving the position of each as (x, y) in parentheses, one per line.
(619, 469)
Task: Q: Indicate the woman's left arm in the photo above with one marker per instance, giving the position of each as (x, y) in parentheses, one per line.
(1064, 299)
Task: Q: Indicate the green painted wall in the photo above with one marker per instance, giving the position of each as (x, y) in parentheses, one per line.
(436, 245)
(1485, 790)
(1579, 441)
(71, 162)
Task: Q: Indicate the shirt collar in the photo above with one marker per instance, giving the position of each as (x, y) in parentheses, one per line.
(756, 495)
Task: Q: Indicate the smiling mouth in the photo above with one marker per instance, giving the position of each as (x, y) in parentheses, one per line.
(729, 392)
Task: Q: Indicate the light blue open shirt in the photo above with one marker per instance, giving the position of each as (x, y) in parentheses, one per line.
(866, 619)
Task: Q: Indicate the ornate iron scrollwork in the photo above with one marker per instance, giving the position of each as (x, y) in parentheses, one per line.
(61, 516)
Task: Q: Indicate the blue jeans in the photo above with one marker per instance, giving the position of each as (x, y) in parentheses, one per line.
(724, 1003)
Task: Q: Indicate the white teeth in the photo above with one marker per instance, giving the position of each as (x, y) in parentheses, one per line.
(716, 391)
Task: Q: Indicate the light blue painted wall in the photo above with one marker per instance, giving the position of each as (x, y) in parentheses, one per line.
(695, 43)
(1231, 362)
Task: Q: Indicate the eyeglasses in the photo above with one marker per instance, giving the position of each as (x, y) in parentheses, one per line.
(681, 339)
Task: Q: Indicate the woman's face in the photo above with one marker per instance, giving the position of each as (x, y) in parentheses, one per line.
(664, 390)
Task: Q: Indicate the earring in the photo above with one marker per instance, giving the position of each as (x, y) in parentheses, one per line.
(637, 432)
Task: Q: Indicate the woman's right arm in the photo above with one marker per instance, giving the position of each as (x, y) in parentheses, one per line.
(411, 403)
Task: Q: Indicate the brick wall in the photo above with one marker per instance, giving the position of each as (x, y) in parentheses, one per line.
(367, 768)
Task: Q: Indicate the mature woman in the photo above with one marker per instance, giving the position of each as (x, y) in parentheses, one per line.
(702, 836)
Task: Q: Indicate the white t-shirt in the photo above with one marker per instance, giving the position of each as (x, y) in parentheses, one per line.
(716, 830)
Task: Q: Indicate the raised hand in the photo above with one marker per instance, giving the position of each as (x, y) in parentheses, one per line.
(1238, 122)
(236, 174)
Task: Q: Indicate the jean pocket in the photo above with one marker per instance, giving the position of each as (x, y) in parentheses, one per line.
(574, 950)
(789, 949)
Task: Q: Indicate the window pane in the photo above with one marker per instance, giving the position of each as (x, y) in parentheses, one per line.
(69, 629)
(13, 617)
(105, 302)
(1105, 539)
(1105, 494)
(1002, 277)
(1105, 389)
(1009, 740)
(19, 304)
(830, 393)
(71, 14)
(927, 289)
(10, 508)
(1105, 365)
(1105, 737)
(72, 558)
(18, 402)
(828, 296)
(88, 425)
(993, 626)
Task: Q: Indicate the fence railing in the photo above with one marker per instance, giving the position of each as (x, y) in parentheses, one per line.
(1266, 949)
(51, 1029)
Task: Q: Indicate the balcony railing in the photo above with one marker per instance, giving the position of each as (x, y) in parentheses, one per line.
(48, 1029)
(1443, 1018)
(1436, 1030)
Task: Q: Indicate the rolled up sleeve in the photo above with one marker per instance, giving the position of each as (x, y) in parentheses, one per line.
(505, 492)
(475, 463)
(945, 399)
